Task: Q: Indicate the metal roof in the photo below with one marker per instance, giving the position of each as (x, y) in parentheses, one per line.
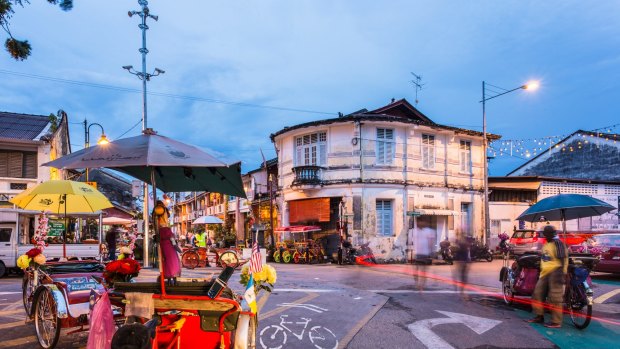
(22, 126)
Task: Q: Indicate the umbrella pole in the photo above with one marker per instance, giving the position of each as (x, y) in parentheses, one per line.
(162, 282)
(563, 214)
(64, 238)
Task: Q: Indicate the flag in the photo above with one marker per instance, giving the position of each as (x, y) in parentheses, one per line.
(249, 297)
(256, 264)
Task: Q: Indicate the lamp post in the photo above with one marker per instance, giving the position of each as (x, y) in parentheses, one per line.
(532, 85)
(144, 14)
(102, 139)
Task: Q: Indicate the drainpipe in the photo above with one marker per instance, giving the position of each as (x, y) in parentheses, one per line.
(359, 126)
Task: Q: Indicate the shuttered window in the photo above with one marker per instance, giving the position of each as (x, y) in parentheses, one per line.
(311, 149)
(428, 151)
(15, 164)
(465, 158)
(385, 146)
(384, 218)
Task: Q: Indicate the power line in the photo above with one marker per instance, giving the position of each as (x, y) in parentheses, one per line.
(162, 94)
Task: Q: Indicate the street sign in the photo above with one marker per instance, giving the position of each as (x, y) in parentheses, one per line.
(414, 213)
(56, 228)
(92, 184)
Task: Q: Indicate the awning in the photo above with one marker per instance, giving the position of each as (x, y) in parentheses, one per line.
(511, 185)
(432, 212)
(297, 229)
(116, 220)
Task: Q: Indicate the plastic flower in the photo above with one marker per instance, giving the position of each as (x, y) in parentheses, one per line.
(23, 261)
(33, 252)
(260, 276)
(272, 276)
(40, 259)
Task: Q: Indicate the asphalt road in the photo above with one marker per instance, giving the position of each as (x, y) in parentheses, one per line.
(329, 306)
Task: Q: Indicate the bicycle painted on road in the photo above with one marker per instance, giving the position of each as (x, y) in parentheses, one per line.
(275, 336)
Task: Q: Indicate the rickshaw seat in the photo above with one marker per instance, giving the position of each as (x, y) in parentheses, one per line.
(78, 285)
(74, 267)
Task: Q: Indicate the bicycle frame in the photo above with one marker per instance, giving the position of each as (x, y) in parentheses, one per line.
(305, 323)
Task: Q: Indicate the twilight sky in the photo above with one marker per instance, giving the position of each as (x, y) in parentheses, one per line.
(325, 56)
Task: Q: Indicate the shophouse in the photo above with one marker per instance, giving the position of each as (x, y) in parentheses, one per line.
(382, 172)
(26, 141)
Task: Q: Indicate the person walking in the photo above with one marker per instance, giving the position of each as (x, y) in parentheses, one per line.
(463, 259)
(550, 285)
(424, 238)
(110, 239)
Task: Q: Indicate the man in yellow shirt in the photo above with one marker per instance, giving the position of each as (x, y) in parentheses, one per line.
(550, 285)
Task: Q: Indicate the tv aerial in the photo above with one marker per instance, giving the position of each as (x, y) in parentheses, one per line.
(417, 82)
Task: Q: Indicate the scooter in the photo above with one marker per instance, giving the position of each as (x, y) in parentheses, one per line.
(355, 255)
(446, 252)
(478, 250)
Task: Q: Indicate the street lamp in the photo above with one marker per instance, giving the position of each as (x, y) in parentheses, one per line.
(530, 86)
(102, 139)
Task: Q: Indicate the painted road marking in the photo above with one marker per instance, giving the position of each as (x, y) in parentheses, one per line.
(434, 291)
(311, 307)
(275, 336)
(18, 341)
(344, 342)
(11, 312)
(276, 311)
(312, 290)
(12, 324)
(8, 293)
(423, 329)
(606, 296)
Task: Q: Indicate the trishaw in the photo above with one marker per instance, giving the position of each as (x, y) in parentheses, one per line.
(519, 280)
(299, 248)
(194, 257)
(59, 297)
(180, 314)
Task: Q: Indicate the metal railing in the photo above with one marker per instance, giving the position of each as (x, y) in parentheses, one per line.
(308, 174)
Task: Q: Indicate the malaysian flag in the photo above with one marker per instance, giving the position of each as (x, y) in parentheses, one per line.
(256, 264)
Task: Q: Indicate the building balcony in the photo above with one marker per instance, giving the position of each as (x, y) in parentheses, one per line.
(307, 175)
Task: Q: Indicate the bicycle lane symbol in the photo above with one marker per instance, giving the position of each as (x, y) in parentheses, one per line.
(277, 336)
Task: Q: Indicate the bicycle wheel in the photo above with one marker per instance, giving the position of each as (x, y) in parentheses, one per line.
(287, 256)
(46, 321)
(578, 308)
(27, 292)
(507, 291)
(190, 259)
(323, 338)
(296, 257)
(276, 257)
(272, 337)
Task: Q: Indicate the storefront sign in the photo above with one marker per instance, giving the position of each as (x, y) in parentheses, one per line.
(310, 210)
(57, 228)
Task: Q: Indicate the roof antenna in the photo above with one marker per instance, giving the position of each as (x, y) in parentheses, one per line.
(418, 85)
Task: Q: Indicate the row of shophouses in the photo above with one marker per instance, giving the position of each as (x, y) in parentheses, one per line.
(374, 176)
(370, 176)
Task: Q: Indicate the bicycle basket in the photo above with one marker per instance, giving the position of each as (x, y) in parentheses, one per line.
(579, 275)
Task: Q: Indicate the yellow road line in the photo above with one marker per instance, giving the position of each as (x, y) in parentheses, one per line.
(358, 326)
(12, 324)
(277, 311)
(11, 312)
(18, 342)
(602, 298)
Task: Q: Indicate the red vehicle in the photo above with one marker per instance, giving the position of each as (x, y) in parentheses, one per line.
(609, 244)
(528, 240)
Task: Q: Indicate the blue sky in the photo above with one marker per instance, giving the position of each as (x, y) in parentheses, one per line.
(328, 56)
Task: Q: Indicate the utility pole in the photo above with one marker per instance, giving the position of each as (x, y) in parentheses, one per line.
(144, 76)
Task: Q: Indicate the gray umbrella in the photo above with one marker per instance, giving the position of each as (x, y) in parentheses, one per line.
(175, 166)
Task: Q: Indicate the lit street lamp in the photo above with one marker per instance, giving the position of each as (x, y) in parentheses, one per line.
(102, 139)
(532, 85)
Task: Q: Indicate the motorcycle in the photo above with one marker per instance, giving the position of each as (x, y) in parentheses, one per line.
(355, 255)
(478, 251)
(446, 252)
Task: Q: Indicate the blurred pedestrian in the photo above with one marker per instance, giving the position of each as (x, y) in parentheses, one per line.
(462, 259)
(424, 237)
(110, 239)
(550, 285)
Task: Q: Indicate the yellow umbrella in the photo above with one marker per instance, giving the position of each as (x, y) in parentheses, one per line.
(62, 196)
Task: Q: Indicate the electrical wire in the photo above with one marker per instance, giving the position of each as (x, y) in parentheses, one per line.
(162, 94)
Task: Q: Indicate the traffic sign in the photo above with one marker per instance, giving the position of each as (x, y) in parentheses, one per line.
(414, 213)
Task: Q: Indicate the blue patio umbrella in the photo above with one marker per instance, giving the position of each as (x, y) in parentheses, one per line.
(563, 207)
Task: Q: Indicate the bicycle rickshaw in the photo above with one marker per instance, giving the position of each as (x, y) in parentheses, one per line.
(181, 314)
(293, 244)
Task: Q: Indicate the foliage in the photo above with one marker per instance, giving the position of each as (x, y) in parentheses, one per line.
(263, 280)
(21, 49)
(54, 122)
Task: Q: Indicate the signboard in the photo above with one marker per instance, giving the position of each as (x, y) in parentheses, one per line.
(414, 213)
(136, 188)
(57, 227)
(92, 184)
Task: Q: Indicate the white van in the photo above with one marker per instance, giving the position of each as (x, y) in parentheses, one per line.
(16, 230)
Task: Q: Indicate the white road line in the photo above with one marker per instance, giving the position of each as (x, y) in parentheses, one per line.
(12, 324)
(431, 291)
(7, 293)
(314, 290)
(602, 298)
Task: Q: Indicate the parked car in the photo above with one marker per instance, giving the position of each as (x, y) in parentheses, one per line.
(609, 244)
(528, 240)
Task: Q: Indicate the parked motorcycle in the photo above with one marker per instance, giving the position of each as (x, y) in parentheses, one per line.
(446, 252)
(362, 254)
(479, 250)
